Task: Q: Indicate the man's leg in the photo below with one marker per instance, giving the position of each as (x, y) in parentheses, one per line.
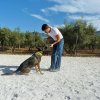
(59, 54)
(53, 57)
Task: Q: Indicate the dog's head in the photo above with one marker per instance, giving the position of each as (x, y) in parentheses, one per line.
(40, 50)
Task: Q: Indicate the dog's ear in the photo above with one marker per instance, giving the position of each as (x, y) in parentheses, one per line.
(39, 49)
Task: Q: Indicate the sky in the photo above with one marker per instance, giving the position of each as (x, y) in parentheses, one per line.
(29, 15)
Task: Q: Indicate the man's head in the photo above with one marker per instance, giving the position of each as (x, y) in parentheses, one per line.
(46, 28)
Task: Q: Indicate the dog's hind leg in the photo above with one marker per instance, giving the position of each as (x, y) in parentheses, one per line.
(21, 73)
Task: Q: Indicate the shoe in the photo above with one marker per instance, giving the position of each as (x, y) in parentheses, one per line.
(48, 69)
(54, 70)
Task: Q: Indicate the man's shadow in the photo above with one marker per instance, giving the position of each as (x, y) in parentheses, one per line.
(7, 69)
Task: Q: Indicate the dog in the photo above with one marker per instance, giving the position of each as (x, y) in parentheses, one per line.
(26, 66)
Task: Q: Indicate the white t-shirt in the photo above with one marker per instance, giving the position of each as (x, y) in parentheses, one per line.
(54, 32)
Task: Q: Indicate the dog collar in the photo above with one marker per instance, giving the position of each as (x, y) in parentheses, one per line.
(39, 53)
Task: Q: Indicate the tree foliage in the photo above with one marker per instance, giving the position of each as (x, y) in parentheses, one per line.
(79, 35)
(17, 39)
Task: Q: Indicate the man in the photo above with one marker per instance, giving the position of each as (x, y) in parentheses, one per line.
(57, 46)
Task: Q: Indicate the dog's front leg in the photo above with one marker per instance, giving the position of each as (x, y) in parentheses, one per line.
(36, 68)
(39, 69)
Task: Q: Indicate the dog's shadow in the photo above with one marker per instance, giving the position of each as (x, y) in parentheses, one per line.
(7, 69)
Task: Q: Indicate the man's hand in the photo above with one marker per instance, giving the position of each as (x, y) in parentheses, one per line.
(58, 39)
(51, 46)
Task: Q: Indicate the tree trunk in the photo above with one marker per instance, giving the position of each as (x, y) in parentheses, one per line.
(75, 46)
(2, 46)
(19, 46)
(13, 49)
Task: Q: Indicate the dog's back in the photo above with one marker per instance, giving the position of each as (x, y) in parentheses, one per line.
(26, 66)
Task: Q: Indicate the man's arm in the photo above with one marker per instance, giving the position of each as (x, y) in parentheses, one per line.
(58, 40)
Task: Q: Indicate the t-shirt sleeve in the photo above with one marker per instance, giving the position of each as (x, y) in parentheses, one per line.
(56, 31)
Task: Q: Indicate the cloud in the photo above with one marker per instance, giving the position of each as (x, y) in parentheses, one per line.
(64, 8)
(40, 18)
(93, 19)
(43, 10)
(89, 9)
(75, 6)
(74, 9)
(61, 25)
(86, 17)
(92, 6)
(27, 11)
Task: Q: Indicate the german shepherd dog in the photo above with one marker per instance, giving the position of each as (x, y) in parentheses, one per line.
(26, 66)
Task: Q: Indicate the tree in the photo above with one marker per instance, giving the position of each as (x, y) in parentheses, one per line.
(13, 40)
(4, 34)
(75, 35)
(33, 39)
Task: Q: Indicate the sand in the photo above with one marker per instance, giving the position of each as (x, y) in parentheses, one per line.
(78, 79)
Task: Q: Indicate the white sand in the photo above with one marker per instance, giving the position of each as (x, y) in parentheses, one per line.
(79, 79)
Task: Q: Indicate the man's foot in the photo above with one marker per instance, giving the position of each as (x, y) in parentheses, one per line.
(48, 69)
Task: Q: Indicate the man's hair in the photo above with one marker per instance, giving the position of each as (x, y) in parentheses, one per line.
(44, 26)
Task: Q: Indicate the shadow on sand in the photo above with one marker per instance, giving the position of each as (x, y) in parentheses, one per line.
(8, 69)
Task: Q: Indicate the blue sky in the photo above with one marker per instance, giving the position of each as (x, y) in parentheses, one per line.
(29, 15)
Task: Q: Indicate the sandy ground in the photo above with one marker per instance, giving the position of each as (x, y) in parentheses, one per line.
(78, 79)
